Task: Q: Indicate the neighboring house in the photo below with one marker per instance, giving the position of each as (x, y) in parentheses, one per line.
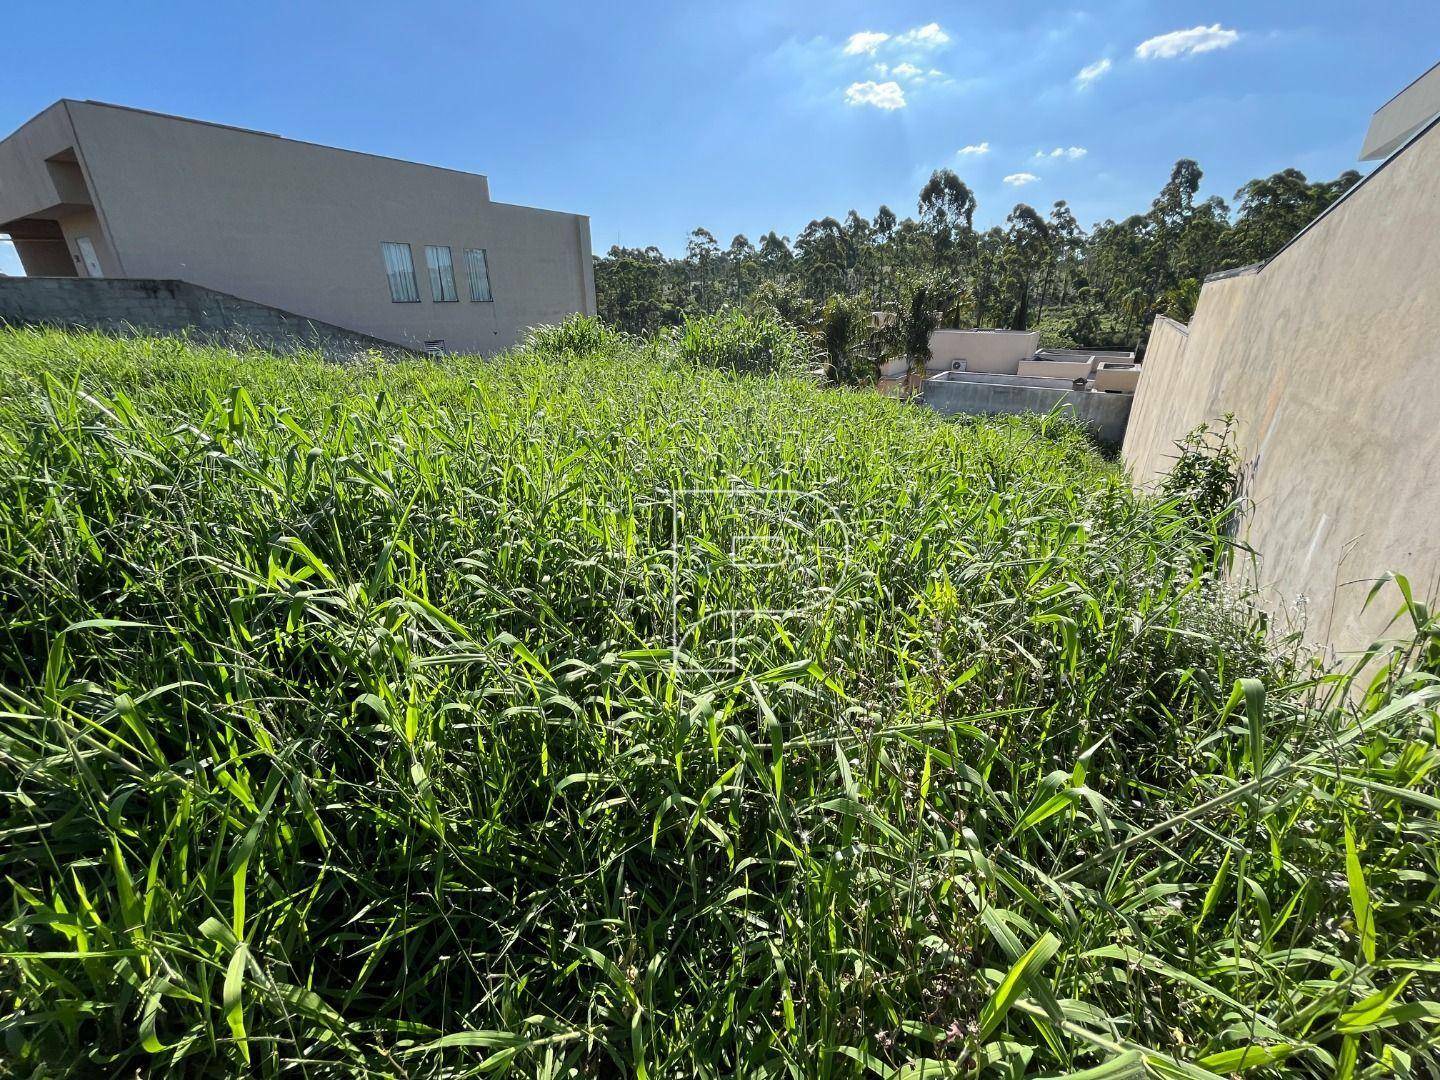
(412, 254)
(1005, 371)
(1327, 355)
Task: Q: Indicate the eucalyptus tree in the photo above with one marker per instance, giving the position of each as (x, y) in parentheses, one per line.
(1116, 260)
(740, 256)
(1272, 210)
(702, 259)
(884, 224)
(882, 231)
(859, 235)
(947, 210)
(988, 277)
(1029, 242)
(822, 250)
(1067, 240)
(775, 254)
(631, 289)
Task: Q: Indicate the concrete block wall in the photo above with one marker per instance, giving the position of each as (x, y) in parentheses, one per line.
(126, 305)
(955, 392)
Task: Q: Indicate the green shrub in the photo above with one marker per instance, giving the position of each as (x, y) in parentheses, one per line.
(748, 343)
(783, 298)
(577, 335)
(1204, 480)
(916, 318)
(846, 337)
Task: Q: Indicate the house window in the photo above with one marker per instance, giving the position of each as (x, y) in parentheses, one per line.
(442, 273)
(478, 269)
(400, 269)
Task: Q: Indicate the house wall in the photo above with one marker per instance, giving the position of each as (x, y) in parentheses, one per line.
(994, 352)
(26, 185)
(1328, 357)
(86, 222)
(33, 182)
(299, 227)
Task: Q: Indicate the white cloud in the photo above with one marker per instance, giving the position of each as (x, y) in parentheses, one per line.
(974, 150)
(900, 69)
(882, 95)
(929, 36)
(1198, 39)
(866, 42)
(1070, 153)
(1090, 72)
(908, 71)
(1020, 179)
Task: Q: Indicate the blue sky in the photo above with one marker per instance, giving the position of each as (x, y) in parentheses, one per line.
(654, 118)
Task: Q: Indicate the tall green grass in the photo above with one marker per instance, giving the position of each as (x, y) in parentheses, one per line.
(736, 341)
(595, 713)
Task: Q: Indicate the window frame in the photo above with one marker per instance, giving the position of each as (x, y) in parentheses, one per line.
(386, 246)
(439, 278)
(489, 297)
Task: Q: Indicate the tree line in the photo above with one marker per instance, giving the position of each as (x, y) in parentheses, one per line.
(1100, 287)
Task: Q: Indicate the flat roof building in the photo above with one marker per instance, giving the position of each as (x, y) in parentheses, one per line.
(412, 254)
(986, 371)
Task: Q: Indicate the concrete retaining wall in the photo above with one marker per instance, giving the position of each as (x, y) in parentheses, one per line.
(1328, 357)
(1150, 443)
(174, 307)
(953, 393)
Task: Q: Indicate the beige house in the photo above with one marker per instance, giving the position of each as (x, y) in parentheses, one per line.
(987, 372)
(409, 253)
(993, 352)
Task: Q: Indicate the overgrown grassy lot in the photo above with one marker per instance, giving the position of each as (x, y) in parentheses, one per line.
(600, 714)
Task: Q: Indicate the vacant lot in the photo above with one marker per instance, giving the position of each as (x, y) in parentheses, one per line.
(602, 714)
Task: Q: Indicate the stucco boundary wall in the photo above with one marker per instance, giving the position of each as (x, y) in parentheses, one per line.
(129, 305)
(955, 392)
(1329, 358)
(1148, 456)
